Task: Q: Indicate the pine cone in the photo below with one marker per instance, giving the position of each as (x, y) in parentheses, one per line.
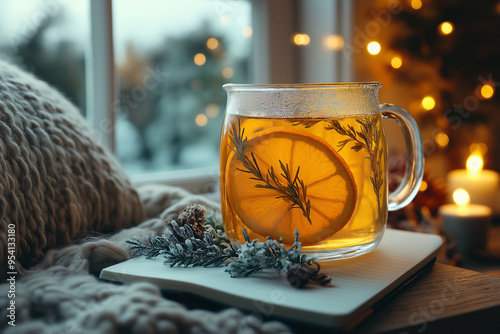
(196, 217)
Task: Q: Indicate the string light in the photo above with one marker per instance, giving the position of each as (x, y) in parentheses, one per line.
(396, 62)
(200, 59)
(446, 28)
(416, 4)
(212, 43)
(442, 139)
(428, 103)
(201, 120)
(423, 186)
(227, 72)
(333, 42)
(212, 110)
(247, 31)
(487, 91)
(373, 48)
(301, 39)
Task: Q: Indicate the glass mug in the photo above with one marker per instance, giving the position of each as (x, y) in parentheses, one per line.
(312, 157)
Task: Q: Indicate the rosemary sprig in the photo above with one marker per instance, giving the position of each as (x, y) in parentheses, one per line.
(367, 139)
(294, 190)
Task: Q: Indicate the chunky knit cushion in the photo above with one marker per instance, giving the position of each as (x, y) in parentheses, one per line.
(56, 181)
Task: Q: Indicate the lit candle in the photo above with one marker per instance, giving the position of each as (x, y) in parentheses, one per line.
(466, 223)
(482, 185)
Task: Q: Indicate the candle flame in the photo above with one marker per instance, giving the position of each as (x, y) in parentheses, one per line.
(461, 197)
(474, 163)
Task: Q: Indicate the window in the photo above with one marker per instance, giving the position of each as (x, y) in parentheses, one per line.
(150, 80)
(172, 58)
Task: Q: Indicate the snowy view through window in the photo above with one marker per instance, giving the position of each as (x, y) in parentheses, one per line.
(171, 58)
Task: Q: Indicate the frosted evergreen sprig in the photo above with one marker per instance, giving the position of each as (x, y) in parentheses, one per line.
(154, 246)
(254, 256)
(180, 247)
(183, 249)
(199, 242)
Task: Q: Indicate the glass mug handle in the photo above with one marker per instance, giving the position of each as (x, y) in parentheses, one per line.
(414, 169)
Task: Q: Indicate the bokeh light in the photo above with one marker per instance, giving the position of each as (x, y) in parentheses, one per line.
(333, 42)
(200, 59)
(428, 103)
(373, 48)
(201, 120)
(446, 28)
(301, 39)
(212, 43)
(487, 91)
(396, 62)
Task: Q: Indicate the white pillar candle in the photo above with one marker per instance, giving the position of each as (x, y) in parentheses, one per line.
(466, 223)
(482, 185)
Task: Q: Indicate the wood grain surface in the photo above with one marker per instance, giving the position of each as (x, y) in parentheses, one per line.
(445, 300)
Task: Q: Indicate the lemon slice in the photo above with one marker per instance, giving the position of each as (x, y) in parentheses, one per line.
(330, 186)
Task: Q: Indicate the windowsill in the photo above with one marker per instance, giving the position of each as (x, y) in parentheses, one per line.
(198, 180)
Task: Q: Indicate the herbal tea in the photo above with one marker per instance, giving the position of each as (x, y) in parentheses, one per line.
(324, 177)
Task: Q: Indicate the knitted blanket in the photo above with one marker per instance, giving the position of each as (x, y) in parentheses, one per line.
(61, 295)
(66, 210)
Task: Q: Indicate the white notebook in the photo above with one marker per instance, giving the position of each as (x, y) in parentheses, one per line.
(358, 284)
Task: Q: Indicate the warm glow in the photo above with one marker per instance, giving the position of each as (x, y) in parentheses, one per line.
(227, 72)
(428, 103)
(396, 62)
(212, 110)
(200, 59)
(423, 186)
(442, 139)
(487, 91)
(416, 4)
(478, 147)
(333, 42)
(474, 164)
(225, 20)
(201, 120)
(212, 43)
(446, 28)
(301, 39)
(461, 197)
(247, 31)
(373, 48)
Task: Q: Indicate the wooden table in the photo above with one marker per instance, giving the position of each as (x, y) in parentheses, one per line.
(445, 300)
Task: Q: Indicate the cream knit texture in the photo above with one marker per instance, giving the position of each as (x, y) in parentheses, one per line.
(56, 182)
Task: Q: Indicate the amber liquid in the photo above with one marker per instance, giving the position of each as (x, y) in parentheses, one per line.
(370, 212)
